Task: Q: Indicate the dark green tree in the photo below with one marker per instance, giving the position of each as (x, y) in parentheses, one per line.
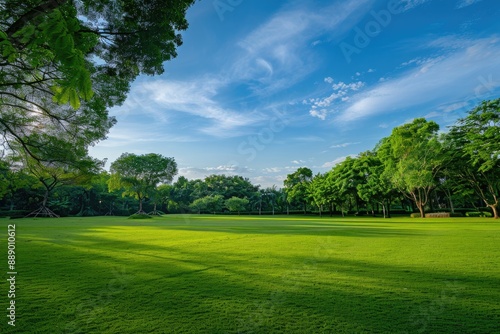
(375, 186)
(473, 144)
(297, 186)
(229, 186)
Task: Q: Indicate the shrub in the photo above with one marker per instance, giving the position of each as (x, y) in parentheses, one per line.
(415, 215)
(140, 216)
(479, 214)
(456, 214)
(437, 215)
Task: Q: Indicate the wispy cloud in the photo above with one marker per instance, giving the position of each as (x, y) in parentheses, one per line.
(330, 164)
(449, 78)
(277, 54)
(466, 3)
(197, 97)
(343, 145)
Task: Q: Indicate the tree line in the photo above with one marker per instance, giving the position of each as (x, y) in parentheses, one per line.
(416, 168)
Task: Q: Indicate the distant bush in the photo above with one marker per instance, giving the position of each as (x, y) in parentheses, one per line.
(437, 215)
(140, 216)
(14, 213)
(415, 215)
(456, 214)
(479, 214)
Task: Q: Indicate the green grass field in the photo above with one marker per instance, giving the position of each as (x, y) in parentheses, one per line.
(221, 274)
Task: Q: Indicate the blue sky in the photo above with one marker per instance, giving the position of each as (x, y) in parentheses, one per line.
(261, 88)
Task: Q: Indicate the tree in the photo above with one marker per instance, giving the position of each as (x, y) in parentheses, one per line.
(211, 203)
(318, 190)
(52, 174)
(230, 186)
(137, 175)
(474, 144)
(412, 157)
(297, 184)
(65, 62)
(345, 177)
(375, 186)
(236, 204)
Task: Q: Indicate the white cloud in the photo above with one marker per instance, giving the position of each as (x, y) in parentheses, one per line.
(298, 162)
(466, 3)
(331, 164)
(343, 145)
(321, 106)
(193, 173)
(197, 98)
(447, 78)
(454, 106)
(328, 80)
(283, 44)
(321, 113)
(308, 139)
(266, 181)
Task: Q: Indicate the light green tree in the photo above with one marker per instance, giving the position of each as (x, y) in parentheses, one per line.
(210, 203)
(412, 157)
(138, 175)
(236, 204)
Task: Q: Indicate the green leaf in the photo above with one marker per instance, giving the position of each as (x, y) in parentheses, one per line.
(74, 100)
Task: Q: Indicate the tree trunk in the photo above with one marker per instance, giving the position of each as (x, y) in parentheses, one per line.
(448, 194)
(45, 198)
(140, 205)
(421, 209)
(495, 210)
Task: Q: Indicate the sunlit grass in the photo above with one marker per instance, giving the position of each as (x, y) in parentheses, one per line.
(249, 274)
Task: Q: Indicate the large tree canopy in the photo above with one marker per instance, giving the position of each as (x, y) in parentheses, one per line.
(297, 186)
(65, 62)
(412, 159)
(138, 175)
(473, 144)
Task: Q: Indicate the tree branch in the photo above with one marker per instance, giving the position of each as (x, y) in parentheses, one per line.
(32, 14)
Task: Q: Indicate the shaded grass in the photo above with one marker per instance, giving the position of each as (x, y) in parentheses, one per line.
(213, 274)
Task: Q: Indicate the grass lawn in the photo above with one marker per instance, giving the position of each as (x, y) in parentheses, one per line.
(221, 274)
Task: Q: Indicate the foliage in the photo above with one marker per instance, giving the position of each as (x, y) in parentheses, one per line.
(412, 159)
(210, 203)
(297, 185)
(236, 204)
(458, 181)
(473, 144)
(64, 63)
(478, 214)
(139, 175)
(229, 186)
